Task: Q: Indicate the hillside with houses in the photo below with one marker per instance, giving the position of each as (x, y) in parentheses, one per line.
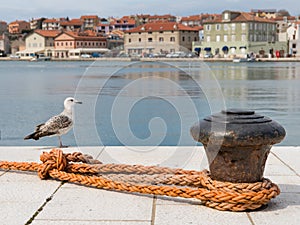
(263, 33)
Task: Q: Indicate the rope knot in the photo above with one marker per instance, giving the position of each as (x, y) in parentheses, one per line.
(55, 159)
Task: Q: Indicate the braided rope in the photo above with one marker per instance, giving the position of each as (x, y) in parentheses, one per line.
(150, 180)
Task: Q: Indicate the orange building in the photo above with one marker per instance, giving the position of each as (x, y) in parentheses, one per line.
(73, 44)
(18, 26)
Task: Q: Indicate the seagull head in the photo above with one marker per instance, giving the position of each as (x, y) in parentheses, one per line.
(70, 102)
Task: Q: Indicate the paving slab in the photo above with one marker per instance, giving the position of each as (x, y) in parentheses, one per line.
(22, 194)
(94, 204)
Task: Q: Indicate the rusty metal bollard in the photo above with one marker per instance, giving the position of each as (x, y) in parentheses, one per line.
(237, 143)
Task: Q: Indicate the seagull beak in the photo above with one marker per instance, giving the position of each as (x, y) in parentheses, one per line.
(78, 102)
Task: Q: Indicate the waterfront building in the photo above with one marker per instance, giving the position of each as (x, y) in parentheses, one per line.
(141, 19)
(36, 24)
(293, 35)
(4, 44)
(240, 33)
(53, 24)
(18, 27)
(70, 44)
(39, 42)
(121, 24)
(283, 23)
(72, 25)
(159, 37)
(89, 21)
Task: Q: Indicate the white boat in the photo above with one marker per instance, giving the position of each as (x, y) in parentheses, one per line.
(237, 60)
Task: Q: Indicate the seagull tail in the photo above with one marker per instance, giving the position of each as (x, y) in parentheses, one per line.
(34, 136)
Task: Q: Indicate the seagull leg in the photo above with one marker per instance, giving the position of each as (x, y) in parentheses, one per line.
(60, 143)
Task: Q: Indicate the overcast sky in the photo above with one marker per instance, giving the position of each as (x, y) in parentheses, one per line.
(26, 9)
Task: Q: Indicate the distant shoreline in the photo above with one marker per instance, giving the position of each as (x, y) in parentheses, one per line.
(160, 59)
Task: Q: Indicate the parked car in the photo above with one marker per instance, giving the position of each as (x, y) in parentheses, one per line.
(208, 55)
(85, 56)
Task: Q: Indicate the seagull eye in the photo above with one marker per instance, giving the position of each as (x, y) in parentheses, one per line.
(71, 100)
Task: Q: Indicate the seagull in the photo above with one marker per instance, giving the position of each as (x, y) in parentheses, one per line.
(56, 125)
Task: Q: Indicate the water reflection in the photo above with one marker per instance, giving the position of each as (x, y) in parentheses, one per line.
(165, 98)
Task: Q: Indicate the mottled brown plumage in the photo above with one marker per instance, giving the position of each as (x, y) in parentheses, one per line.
(56, 125)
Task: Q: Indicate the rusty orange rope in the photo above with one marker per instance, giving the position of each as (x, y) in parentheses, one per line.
(82, 169)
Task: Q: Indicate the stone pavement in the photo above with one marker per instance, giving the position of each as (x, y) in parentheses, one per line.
(25, 199)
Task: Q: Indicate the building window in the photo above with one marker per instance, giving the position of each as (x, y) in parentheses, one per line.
(226, 16)
(140, 39)
(71, 43)
(218, 38)
(243, 37)
(225, 38)
(233, 37)
(250, 26)
(208, 39)
(129, 40)
(149, 39)
(150, 32)
(208, 27)
(225, 26)
(161, 39)
(243, 26)
(172, 39)
(294, 46)
(183, 38)
(218, 26)
(233, 26)
(66, 43)
(189, 39)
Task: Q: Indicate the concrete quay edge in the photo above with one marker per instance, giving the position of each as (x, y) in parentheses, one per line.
(25, 199)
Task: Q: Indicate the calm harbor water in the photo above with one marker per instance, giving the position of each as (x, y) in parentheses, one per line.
(142, 103)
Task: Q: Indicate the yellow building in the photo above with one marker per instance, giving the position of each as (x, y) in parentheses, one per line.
(159, 37)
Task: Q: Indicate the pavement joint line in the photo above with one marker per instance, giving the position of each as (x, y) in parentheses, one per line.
(101, 151)
(250, 218)
(40, 209)
(153, 210)
(287, 165)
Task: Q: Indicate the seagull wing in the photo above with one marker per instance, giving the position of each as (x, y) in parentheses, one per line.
(56, 123)
(52, 127)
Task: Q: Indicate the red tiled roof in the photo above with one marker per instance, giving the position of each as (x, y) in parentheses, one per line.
(143, 16)
(18, 21)
(48, 33)
(161, 26)
(71, 22)
(123, 20)
(242, 17)
(199, 17)
(191, 18)
(84, 36)
(281, 18)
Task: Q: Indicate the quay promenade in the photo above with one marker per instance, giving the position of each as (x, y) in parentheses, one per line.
(25, 199)
(128, 59)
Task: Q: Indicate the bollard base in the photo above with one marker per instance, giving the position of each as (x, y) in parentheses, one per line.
(237, 164)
